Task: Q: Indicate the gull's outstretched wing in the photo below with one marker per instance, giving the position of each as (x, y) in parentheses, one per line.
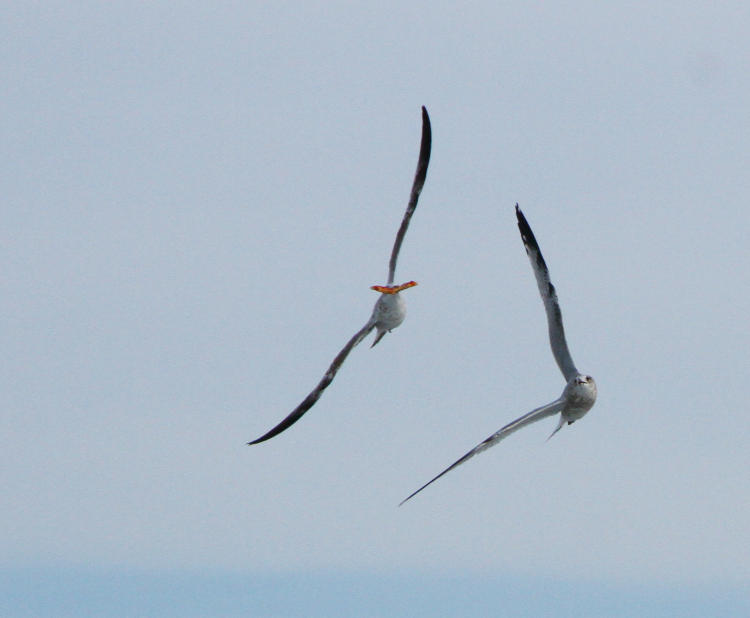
(416, 189)
(310, 400)
(549, 296)
(533, 416)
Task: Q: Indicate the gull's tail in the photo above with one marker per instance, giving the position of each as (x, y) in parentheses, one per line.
(559, 426)
(380, 334)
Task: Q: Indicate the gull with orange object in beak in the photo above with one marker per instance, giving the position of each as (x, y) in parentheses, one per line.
(390, 308)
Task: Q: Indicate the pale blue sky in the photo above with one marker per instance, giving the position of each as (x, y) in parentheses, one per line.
(195, 203)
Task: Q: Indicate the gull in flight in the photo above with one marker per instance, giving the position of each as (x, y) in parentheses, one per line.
(579, 394)
(390, 308)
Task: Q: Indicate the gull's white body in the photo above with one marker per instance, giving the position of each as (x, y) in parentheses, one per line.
(388, 313)
(578, 397)
(579, 394)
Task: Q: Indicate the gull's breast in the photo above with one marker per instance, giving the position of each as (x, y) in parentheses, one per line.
(390, 311)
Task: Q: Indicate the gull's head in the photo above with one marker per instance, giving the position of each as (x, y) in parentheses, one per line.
(393, 289)
(581, 391)
(579, 396)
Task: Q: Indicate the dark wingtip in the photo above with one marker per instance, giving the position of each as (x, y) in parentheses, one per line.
(274, 432)
(405, 500)
(527, 236)
(426, 145)
(286, 423)
(282, 426)
(522, 223)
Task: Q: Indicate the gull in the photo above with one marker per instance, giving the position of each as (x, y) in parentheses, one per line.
(579, 394)
(390, 308)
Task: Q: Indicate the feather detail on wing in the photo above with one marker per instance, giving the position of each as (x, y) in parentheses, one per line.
(416, 189)
(531, 417)
(549, 296)
(310, 400)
